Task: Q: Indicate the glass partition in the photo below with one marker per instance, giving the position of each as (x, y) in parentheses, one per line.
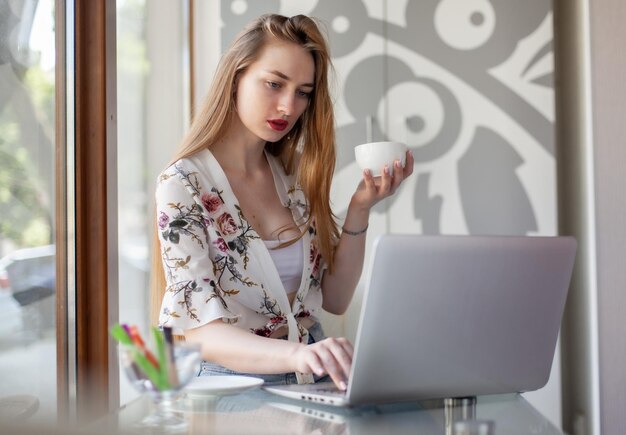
(151, 119)
(27, 208)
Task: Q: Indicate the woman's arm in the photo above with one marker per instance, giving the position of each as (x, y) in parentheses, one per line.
(242, 351)
(339, 286)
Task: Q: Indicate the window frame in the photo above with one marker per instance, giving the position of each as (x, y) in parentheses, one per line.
(86, 232)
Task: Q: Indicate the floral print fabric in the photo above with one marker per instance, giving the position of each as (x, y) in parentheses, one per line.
(216, 265)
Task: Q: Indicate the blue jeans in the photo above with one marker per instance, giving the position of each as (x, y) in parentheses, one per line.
(211, 369)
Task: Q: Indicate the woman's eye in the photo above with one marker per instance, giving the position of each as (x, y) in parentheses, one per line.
(303, 94)
(273, 85)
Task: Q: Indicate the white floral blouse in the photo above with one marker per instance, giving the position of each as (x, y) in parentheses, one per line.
(216, 265)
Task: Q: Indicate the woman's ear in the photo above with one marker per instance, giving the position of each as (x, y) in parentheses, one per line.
(234, 93)
(234, 97)
(236, 83)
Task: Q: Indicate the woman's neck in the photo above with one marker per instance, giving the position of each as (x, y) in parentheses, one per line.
(240, 152)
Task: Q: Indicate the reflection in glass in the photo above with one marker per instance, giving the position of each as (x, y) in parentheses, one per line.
(150, 97)
(27, 207)
(132, 70)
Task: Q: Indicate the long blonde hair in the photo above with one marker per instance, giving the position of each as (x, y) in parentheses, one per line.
(312, 138)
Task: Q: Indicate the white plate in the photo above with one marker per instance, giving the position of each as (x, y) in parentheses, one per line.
(221, 385)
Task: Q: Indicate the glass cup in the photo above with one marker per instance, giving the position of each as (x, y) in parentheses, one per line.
(182, 364)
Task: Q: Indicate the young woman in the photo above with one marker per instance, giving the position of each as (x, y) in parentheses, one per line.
(249, 248)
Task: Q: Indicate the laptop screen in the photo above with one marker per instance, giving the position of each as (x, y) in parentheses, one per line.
(453, 316)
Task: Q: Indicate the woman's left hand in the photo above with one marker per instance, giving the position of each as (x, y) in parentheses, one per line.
(374, 189)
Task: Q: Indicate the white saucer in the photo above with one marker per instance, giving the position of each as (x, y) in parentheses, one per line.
(220, 385)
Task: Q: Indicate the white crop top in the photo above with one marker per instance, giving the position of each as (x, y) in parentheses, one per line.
(289, 262)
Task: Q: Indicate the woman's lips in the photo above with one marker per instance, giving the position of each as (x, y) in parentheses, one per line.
(278, 124)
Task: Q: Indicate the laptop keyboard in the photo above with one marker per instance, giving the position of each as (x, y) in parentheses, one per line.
(327, 389)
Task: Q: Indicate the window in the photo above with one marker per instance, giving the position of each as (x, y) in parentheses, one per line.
(27, 204)
(151, 120)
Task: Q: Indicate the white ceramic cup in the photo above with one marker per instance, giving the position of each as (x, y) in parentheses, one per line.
(375, 155)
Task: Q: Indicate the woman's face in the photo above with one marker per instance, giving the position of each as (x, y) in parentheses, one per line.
(275, 90)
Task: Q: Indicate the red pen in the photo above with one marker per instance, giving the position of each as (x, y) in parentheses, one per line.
(134, 335)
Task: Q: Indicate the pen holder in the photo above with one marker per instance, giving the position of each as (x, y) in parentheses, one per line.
(162, 375)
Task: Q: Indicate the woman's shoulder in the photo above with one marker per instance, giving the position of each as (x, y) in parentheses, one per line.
(189, 174)
(184, 167)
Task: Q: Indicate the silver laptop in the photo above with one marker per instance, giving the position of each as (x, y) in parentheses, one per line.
(454, 316)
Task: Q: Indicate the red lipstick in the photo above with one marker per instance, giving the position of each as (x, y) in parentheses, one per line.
(278, 124)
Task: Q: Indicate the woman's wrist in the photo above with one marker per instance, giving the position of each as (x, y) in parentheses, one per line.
(294, 357)
(357, 220)
(355, 233)
(358, 209)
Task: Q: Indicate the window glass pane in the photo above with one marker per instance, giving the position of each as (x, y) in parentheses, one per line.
(150, 124)
(132, 68)
(27, 205)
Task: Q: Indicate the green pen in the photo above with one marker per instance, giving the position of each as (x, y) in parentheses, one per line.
(119, 334)
(162, 358)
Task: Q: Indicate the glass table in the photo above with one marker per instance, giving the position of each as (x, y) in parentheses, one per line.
(259, 412)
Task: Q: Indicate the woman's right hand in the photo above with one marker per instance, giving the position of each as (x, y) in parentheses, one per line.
(372, 190)
(331, 356)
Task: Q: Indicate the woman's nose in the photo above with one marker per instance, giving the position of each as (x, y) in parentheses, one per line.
(286, 105)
